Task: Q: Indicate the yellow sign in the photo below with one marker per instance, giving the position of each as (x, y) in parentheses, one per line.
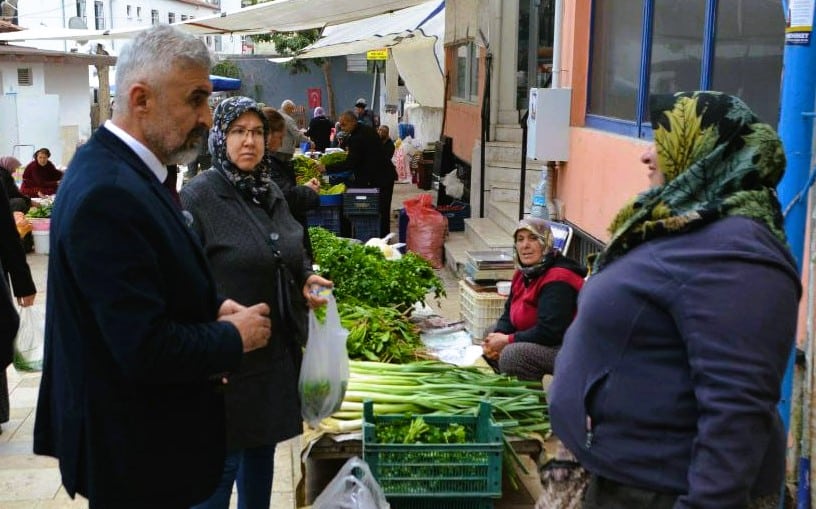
(377, 54)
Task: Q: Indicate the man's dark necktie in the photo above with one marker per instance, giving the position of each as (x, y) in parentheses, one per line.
(170, 183)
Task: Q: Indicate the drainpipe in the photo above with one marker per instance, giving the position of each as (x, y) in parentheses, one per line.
(796, 130)
(496, 77)
(556, 65)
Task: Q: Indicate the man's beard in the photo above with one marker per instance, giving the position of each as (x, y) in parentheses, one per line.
(188, 152)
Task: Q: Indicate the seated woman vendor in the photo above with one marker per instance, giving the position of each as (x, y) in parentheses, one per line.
(40, 176)
(540, 307)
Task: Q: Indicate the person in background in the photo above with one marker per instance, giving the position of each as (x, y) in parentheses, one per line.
(339, 140)
(17, 200)
(13, 265)
(667, 385)
(40, 177)
(300, 198)
(364, 115)
(251, 240)
(540, 307)
(367, 160)
(320, 130)
(292, 136)
(137, 339)
(388, 143)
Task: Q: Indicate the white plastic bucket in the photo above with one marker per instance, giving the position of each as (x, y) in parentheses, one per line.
(40, 241)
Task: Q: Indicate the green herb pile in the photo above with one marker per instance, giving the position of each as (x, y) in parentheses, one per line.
(379, 334)
(305, 169)
(41, 211)
(362, 275)
(417, 431)
(337, 157)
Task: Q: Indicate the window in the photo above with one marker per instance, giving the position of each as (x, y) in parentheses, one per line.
(24, 77)
(139, 13)
(129, 12)
(99, 15)
(183, 17)
(171, 17)
(81, 10)
(664, 46)
(466, 81)
(154, 17)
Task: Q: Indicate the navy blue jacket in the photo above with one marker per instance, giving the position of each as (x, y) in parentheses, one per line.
(126, 401)
(669, 375)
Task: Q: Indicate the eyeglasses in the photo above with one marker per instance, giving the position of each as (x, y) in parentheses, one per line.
(241, 132)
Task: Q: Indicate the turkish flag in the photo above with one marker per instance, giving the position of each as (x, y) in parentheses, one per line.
(315, 97)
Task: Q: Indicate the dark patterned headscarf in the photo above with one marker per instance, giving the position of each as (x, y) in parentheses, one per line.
(718, 160)
(252, 185)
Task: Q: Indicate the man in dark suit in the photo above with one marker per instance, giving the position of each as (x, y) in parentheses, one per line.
(367, 159)
(137, 341)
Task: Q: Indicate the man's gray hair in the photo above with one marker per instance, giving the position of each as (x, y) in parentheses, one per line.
(154, 53)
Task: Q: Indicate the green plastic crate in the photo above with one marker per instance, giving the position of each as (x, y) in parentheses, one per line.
(419, 476)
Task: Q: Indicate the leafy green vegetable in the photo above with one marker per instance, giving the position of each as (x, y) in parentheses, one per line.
(41, 211)
(379, 334)
(417, 431)
(362, 275)
(336, 157)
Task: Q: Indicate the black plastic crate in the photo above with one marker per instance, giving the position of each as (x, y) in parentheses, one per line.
(364, 227)
(456, 213)
(327, 217)
(361, 201)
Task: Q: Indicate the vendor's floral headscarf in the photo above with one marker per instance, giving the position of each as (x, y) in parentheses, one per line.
(252, 185)
(718, 160)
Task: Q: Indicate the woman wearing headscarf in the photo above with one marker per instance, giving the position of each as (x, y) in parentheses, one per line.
(667, 384)
(540, 306)
(255, 249)
(13, 266)
(320, 130)
(17, 200)
(40, 176)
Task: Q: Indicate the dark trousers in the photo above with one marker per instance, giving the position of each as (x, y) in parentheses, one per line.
(386, 193)
(606, 494)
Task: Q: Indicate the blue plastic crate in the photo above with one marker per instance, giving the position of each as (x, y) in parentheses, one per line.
(364, 227)
(327, 217)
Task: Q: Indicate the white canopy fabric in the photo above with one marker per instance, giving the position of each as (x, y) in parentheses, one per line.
(415, 37)
(277, 15)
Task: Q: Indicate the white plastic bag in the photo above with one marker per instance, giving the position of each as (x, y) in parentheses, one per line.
(324, 372)
(354, 487)
(28, 345)
(454, 187)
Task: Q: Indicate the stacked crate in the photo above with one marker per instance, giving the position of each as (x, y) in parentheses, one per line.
(361, 206)
(328, 214)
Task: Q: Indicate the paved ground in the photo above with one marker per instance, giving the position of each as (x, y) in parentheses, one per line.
(33, 482)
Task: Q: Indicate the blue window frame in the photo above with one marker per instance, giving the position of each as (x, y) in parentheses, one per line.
(640, 47)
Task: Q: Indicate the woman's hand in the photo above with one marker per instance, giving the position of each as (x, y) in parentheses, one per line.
(311, 290)
(313, 184)
(26, 301)
(494, 343)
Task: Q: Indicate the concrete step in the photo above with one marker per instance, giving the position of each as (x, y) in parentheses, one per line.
(456, 247)
(503, 151)
(505, 216)
(509, 132)
(484, 234)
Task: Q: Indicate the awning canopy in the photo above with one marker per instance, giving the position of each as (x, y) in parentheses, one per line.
(275, 16)
(414, 35)
(223, 83)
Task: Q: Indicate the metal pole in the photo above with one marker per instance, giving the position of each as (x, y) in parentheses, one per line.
(796, 131)
(523, 176)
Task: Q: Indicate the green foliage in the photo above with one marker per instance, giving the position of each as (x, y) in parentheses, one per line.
(417, 431)
(379, 334)
(362, 274)
(227, 68)
(289, 44)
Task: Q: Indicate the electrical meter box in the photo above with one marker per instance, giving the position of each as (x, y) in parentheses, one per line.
(548, 124)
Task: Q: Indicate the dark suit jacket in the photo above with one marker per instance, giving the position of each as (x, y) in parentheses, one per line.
(126, 401)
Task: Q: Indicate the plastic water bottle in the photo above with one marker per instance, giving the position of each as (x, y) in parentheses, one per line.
(539, 208)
